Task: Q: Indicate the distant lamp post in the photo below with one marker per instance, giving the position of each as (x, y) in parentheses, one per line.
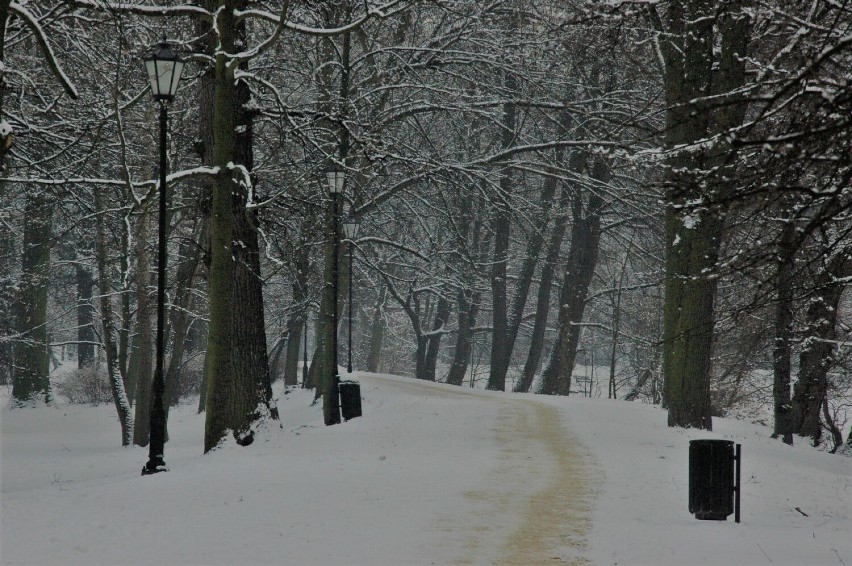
(350, 230)
(305, 351)
(164, 68)
(336, 178)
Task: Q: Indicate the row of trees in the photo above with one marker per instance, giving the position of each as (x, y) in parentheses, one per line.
(661, 190)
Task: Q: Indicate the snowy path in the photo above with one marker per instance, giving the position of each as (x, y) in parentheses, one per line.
(533, 506)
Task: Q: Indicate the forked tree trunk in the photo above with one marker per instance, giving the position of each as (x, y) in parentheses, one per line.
(579, 269)
(542, 309)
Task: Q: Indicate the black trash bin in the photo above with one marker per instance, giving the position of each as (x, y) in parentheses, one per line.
(350, 399)
(713, 493)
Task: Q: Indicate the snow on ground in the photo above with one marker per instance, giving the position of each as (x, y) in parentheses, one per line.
(431, 474)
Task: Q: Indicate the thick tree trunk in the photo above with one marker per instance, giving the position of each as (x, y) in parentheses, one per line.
(31, 382)
(240, 394)
(693, 234)
(817, 355)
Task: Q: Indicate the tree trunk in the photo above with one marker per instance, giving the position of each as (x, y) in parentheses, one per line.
(116, 382)
(241, 394)
(542, 309)
(141, 365)
(377, 333)
(179, 317)
(693, 234)
(297, 319)
(85, 317)
(782, 351)
(500, 347)
(31, 381)
(582, 260)
(817, 355)
(433, 341)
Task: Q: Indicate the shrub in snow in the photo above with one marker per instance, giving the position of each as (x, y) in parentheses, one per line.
(86, 386)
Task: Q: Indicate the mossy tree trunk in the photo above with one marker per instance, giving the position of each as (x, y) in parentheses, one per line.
(237, 367)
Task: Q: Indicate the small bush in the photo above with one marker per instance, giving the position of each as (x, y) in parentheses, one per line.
(86, 386)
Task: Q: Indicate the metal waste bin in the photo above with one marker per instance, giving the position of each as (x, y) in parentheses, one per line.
(350, 399)
(714, 479)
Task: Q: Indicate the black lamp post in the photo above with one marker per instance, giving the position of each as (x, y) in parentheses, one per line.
(164, 68)
(336, 178)
(350, 230)
(305, 351)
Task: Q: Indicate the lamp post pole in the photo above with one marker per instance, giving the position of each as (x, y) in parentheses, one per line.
(336, 178)
(305, 351)
(164, 69)
(351, 275)
(350, 228)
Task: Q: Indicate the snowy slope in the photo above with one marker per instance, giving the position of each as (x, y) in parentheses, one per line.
(431, 474)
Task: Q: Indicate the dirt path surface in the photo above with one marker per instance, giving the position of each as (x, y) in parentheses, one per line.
(537, 507)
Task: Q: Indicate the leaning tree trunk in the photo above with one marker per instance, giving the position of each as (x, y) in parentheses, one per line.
(30, 381)
(582, 260)
(469, 296)
(542, 309)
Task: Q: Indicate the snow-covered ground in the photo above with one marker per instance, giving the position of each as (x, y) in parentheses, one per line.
(431, 474)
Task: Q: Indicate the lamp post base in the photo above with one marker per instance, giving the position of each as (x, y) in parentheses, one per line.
(154, 466)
